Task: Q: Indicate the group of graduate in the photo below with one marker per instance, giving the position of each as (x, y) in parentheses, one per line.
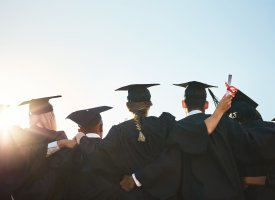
(229, 155)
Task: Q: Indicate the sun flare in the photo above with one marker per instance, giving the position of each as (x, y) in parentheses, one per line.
(7, 118)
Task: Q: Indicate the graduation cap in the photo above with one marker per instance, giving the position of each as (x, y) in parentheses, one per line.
(243, 108)
(240, 96)
(273, 119)
(137, 92)
(195, 84)
(40, 105)
(196, 91)
(87, 116)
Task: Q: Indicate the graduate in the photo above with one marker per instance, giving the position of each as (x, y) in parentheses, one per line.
(258, 168)
(135, 143)
(35, 144)
(229, 146)
(213, 174)
(93, 174)
(208, 170)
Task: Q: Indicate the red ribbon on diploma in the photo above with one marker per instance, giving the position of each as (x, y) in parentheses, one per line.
(231, 89)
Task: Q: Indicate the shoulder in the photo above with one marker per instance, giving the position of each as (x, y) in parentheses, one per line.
(164, 117)
(167, 116)
(125, 123)
(116, 129)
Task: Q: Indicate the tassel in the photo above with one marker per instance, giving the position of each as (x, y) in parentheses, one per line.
(215, 99)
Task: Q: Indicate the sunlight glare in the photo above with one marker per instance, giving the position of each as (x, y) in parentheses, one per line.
(7, 118)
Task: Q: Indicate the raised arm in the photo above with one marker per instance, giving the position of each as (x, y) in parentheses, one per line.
(212, 121)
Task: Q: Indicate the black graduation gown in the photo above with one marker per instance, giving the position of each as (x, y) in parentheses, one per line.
(12, 173)
(190, 139)
(162, 177)
(126, 153)
(252, 145)
(43, 177)
(261, 138)
(93, 175)
(261, 161)
(213, 173)
(248, 148)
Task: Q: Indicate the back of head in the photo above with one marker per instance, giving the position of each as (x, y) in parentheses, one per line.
(139, 102)
(89, 120)
(195, 97)
(95, 126)
(44, 120)
(139, 98)
(195, 94)
(41, 112)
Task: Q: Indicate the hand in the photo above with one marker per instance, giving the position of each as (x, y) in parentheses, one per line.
(65, 143)
(127, 183)
(224, 104)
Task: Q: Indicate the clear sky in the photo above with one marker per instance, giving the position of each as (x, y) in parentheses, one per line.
(84, 50)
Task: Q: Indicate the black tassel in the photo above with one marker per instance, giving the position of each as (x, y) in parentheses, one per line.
(215, 99)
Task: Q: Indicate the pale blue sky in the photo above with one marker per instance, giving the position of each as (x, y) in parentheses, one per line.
(84, 50)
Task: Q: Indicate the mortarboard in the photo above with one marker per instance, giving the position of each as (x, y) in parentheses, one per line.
(196, 90)
(240, 96)
(195, 84)
(87, 116)
(243, 108)
(39, 105)
(273, 119)
(137, 92)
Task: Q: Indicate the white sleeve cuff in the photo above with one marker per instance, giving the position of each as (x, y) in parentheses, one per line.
(52, 148)
(138, 184)
(53, 145)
